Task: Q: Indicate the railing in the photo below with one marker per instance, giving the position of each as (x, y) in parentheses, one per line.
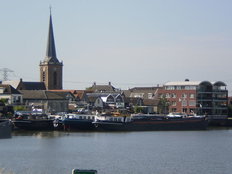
(216, 117)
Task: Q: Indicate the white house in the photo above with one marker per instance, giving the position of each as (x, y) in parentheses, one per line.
(10, 94)
(110, 100)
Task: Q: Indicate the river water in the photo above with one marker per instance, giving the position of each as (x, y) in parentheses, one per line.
(155, 152)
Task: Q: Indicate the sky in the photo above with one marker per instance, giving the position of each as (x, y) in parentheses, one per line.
(129, 43)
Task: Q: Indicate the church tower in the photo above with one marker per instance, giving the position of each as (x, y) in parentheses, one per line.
(51, 70)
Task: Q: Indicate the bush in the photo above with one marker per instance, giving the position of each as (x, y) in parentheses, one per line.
(19, 108)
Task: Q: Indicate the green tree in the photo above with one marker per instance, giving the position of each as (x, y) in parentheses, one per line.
(19, 108)
(138, 109)
(163, 106)
(4, 100)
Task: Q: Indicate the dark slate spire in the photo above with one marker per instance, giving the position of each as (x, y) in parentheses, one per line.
(51, 49)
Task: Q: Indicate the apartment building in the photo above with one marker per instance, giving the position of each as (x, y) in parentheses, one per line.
(201, 97)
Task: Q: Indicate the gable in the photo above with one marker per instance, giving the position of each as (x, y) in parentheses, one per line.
(8, 89)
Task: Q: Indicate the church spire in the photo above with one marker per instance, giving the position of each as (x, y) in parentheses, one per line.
(51, 49)
(51, 70)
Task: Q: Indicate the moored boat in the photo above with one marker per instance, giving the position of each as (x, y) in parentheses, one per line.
(78, 122)
(145, 122)
(5, 129)
(33, 122)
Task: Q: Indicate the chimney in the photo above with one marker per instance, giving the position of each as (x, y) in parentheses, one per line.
(109, 83)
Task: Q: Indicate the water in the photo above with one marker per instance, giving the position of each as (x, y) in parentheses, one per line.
(157, 152)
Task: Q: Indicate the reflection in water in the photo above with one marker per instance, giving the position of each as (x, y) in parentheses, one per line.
(40, 134)
(5, 171)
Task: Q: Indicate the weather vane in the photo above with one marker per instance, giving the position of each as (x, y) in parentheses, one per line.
(50, 7)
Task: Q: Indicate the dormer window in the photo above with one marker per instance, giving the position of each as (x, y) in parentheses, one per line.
(2, 90)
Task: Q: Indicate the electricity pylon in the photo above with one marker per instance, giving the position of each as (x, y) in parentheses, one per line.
(5, 73)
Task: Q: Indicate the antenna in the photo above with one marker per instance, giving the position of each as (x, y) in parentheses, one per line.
(5, 72)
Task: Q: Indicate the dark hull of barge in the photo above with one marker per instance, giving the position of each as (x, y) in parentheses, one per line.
(154, 125)
(76, 124)
(45, 124)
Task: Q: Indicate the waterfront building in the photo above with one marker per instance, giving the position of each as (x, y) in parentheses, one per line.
(144, 92)
(10, 94)
(47, 101)
(202, 97)
(109, 101)
(51, 69)
(145, 97)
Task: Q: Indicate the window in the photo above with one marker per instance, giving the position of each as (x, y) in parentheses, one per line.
(184, 110)
(43, 76)
(137, 95)
(110, 99)
(184, 95)
(118, 99)
(184, 103)
(173, 103)
(55, 78)
(173, 95)
(192, 87)
(192, 102)
(19, 99)
(191, 95)
(14, 99)
(150, 96)
(173, 110)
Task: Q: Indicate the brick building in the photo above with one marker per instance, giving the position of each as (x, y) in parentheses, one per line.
(202, 97)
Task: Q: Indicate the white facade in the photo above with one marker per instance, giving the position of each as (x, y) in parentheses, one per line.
(10, 97)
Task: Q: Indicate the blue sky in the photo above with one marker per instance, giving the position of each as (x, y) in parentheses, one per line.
(128, 42)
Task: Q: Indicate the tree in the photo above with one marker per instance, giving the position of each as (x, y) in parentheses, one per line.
(229, 110)
(138, 109)
(163, 106)
(19, 108)
(4, 100)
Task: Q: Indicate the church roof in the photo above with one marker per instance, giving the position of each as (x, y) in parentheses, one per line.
(21, 85)
(43, 95)
(33, 86)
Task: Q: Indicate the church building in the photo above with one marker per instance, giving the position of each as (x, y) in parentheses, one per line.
(51, 69)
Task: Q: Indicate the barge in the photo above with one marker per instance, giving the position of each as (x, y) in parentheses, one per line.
(145, 122)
